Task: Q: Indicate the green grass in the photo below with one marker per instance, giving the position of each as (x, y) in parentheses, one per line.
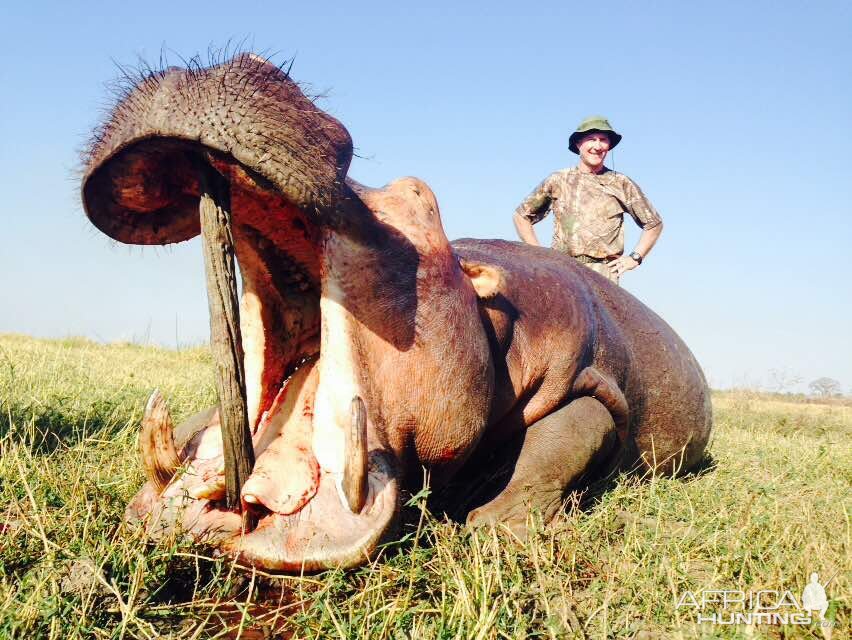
(772, 505)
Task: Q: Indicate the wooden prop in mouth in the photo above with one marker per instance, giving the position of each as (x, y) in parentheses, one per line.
(225, 339)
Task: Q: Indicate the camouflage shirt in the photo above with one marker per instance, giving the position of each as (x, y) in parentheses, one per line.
(589, 210)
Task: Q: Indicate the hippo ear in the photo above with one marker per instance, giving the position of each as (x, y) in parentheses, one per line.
(487, 280)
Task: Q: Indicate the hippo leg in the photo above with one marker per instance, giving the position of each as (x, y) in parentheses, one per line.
(556, 452)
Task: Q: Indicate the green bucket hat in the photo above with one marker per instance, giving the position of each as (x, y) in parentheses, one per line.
(593, 123)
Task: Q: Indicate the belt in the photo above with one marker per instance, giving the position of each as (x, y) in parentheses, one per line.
(589, 259)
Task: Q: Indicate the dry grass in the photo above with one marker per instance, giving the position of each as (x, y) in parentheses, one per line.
(772, 505)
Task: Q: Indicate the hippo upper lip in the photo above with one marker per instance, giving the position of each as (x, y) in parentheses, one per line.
(143, 159)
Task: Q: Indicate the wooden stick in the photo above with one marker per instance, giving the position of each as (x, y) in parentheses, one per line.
(225, 339)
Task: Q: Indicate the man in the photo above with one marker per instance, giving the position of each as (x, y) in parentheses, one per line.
(589, 202)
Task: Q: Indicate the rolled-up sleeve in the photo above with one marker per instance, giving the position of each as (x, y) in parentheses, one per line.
(639, 207)
(536, 205)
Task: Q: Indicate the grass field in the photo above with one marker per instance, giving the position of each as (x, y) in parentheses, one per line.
(771, 505)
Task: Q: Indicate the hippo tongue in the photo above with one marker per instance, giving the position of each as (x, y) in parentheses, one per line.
(286, 474)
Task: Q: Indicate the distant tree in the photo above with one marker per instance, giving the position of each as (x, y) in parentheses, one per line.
(825, 387)
(781, 380)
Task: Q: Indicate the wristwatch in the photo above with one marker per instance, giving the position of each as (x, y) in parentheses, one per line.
(636, 256)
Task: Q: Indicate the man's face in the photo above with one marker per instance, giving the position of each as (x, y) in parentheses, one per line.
(593, 149)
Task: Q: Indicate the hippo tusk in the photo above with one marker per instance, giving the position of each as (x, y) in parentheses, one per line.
(354, 482)
(157, 443)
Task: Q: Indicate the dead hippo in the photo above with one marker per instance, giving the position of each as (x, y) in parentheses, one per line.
(354, 303)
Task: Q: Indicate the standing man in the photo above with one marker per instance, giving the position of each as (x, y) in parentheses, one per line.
(589, 202)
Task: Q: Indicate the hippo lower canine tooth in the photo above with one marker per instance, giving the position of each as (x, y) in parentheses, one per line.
(354, 483)
(157, 444)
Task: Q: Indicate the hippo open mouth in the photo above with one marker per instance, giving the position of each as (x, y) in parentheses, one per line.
(324, 490)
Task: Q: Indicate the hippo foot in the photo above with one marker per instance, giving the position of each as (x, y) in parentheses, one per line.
(513, 512)
(556, 454)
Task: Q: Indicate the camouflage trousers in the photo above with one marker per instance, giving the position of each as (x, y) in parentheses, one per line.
(601, 268)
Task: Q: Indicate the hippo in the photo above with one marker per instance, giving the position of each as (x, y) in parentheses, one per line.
(373, 347)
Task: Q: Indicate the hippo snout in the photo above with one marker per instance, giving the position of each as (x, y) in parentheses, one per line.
(320, 497)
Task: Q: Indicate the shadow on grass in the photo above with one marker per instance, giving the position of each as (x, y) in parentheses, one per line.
(43, 426)
(52, 428)
(473, 488)
(707, 464)
(183, 589)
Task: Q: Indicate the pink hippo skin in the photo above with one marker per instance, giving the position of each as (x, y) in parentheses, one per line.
(456, 350)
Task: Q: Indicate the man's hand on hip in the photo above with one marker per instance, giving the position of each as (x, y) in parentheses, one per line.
(622, 264)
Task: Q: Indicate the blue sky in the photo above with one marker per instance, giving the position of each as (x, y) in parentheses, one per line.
(737, 123)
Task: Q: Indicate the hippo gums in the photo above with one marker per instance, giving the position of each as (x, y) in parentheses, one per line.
(373, 347)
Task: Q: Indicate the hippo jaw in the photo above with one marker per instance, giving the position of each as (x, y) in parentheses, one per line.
(303, 520)
(141, 186)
